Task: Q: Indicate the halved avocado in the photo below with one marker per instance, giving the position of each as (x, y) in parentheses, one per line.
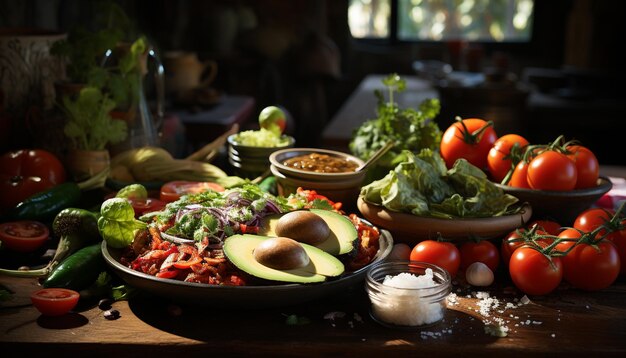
(343, 235)
(240, 251)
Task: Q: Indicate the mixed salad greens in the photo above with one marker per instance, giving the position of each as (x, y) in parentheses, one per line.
(409, 128)
(421, 185)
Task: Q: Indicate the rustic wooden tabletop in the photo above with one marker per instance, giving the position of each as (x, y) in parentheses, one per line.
(566, 322)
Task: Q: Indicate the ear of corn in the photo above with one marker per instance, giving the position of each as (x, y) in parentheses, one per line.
(157, 164)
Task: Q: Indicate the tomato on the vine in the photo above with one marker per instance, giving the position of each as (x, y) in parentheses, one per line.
(549, 226)
(551, 170)
(592, 219)
(471, 139)
(499, 157)
(442, 254)
(588, 267)
(587, 166)
(534, 273)
(518, 178)
(483, 251)
(27, 172)
(618, 238)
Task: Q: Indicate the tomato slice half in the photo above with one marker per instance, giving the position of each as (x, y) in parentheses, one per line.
(142, 206)
(173, 190)
(54, 301)
(23, 236)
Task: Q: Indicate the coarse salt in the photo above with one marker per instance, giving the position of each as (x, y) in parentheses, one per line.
(403, 304)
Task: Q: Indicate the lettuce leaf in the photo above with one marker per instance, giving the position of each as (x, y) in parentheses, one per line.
(421, 185)
(117, 223)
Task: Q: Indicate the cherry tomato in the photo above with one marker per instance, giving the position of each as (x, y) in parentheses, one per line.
(471, 139)
(618, 238)
(173, 190)
(499, 157)
(518, 179)
(589, 267)
(54, 301)
(23, 236)
(549, 226)
(510, 244)
(442, 254)
(27, 172)
(593, 218)
(483, 251)
(142, 206)
(552, 170)
(533, 273)
(587, 166)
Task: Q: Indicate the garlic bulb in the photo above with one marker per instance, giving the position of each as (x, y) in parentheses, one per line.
(478, 274)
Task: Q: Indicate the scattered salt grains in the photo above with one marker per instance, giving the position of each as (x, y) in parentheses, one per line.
(333, 315)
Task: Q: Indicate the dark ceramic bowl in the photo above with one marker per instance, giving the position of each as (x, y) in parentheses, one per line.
(561, 206)
(244, 297)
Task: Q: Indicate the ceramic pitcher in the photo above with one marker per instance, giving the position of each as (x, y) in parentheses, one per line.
(185, 72)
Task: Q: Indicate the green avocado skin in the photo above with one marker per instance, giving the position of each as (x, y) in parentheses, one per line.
(343, 239)
(239, 249)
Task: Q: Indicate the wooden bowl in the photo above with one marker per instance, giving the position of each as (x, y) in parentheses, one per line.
(561, 206)
(412, 229)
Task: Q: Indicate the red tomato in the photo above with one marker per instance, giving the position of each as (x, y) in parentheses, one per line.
(589, 267)
(499, 157)
(593, 218)
(533, 273)
(54, 301)
(442, 254)
(27, 172)
(518, 179)
(470, 139)
(23, 236)
(173, 190)
(483, 251)
(548, 226)
(510, 244)
(587, 166)
(618, 239)
(552, 170)
(142, 206)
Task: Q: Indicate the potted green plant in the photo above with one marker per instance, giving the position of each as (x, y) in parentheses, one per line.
(90, 128)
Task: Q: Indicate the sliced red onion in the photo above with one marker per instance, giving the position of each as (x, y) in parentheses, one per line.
(176, 239)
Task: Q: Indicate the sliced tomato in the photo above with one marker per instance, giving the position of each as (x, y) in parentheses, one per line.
(142, 206)
(23, 236)
(173, 190)
(54, 301)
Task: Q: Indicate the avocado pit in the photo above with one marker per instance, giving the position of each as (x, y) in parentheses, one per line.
(303, 226)
(281, 253)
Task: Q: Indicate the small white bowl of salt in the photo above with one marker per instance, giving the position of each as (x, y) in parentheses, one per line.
(407, 294)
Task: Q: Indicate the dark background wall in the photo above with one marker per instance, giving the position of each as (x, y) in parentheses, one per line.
(300, 54)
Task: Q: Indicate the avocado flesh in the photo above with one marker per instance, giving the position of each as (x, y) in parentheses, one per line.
(239, 249)
(343, 235)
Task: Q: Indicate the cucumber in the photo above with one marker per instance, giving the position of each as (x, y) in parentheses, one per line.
(45, 205)
(79, 270)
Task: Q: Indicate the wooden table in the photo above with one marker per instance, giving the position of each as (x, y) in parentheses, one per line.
(567, 322)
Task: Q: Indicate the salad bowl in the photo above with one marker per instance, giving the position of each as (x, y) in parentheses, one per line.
(412, 229)
(241, 297)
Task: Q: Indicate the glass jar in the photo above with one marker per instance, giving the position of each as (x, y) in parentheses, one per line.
(407, 294)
